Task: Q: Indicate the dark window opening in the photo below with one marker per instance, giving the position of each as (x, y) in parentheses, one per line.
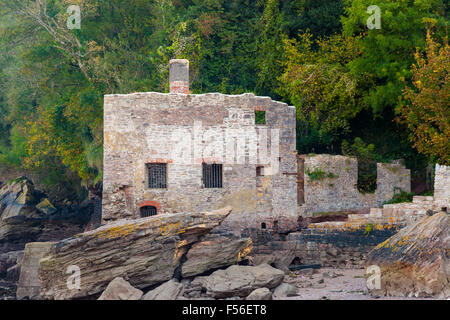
(148, 211)
(157, 175)
(212, 175)
(260, 117)
(260, 171)
(367, 176)
(263, 225)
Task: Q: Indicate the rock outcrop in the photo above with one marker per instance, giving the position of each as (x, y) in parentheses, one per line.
(146, 252)
(119, 289)
(415, 261)
(242, 280)
(214, 252)
(27, 216)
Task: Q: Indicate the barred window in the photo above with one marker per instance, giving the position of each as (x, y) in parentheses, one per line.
(148, 211)
(212, 175)
(157, 175)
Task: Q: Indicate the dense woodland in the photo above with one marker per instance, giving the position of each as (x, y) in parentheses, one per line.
(379, 94)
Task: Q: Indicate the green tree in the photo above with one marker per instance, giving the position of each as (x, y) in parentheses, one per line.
(388, 52)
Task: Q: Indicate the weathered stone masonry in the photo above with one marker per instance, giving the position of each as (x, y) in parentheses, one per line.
(139, 129)
(340, 192)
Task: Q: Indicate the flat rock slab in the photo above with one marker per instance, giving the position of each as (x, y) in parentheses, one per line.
(145, 252)
(414, 262)
(242, 280)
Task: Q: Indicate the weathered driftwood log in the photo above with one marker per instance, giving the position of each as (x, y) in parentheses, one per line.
(144, 252)
(415, 261)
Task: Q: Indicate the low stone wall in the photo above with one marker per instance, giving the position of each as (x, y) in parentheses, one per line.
(328, 247)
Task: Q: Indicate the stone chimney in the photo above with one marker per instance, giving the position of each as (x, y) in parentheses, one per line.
(179, 76)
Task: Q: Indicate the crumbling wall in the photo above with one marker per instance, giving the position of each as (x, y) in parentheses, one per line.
(442, 184)
(146, 128)
(336, 189)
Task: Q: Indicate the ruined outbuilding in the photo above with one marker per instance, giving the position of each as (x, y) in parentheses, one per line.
(166, 153)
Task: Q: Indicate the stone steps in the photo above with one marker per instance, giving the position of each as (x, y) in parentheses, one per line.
(398, 214)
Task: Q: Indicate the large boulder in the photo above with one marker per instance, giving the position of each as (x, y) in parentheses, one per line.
(145, 251)
(242, 280)
(415, 261)
(119, 289)
(170, 290)
(214, 252)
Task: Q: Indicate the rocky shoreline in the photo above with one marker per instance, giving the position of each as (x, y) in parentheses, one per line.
(181, 257)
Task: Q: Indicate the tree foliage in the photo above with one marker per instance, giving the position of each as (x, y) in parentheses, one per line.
(427, 109)
(315, 54)
(318, 82)
(388, 52)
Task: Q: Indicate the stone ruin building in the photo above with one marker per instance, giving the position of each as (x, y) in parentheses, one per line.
(178, 152)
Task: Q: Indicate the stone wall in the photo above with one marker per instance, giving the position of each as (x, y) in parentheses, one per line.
(338, 191)
(146, 128)
(442, 184)
(337, 247)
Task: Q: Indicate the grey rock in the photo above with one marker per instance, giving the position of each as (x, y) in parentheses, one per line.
(13, 273)
(242, 280)
(119, 289)
(260, 294)
(8, 260)
(170, 290)
(285, 290)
